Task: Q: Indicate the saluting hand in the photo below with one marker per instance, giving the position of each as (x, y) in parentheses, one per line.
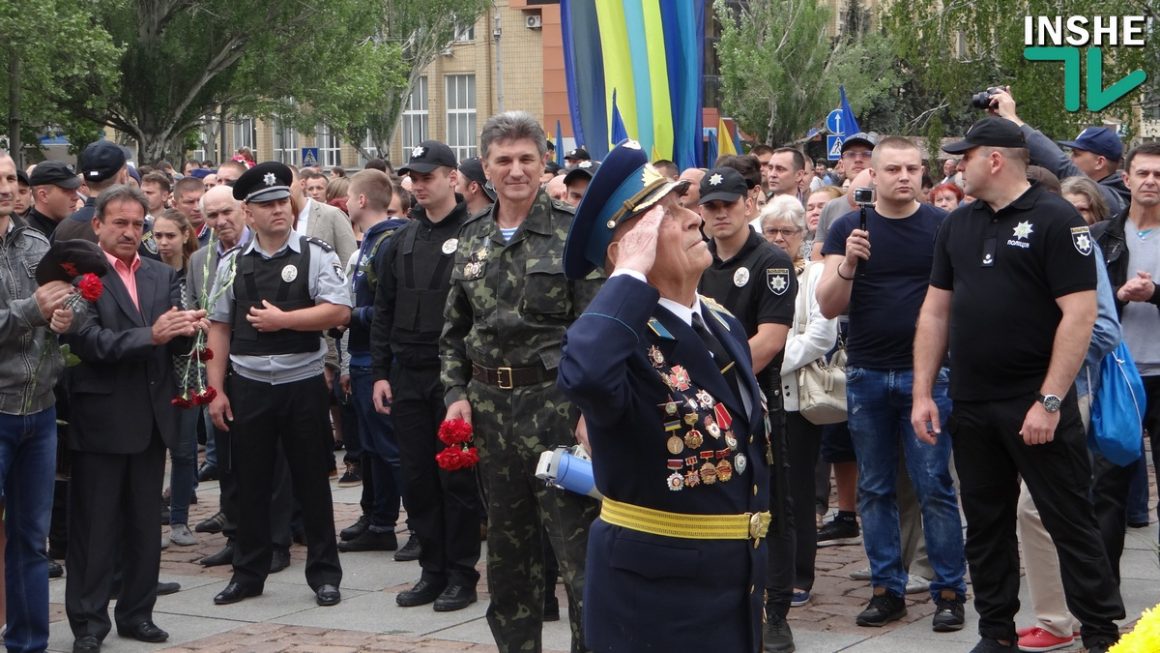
(267, 319)
(637, 249)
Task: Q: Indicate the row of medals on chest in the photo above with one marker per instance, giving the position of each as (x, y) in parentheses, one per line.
(682, 417)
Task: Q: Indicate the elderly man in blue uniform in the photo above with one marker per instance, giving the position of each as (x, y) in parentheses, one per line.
(676, 423)
(282, 290)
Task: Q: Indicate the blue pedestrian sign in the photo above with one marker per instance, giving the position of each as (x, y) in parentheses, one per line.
(309, 156)
(834, 123)
(833, 147)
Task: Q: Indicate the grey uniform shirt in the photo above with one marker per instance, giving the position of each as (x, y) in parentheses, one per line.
(326, 282)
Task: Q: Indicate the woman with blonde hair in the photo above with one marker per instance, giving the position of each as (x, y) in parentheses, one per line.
(1085, 196)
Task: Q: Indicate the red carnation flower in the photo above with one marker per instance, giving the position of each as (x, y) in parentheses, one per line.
(204, 354)
(456, 457)
(181, 402)
(455, 431)
(204, 398)
(90, 287)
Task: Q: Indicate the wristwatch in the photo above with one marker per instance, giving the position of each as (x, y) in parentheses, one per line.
(1051, 403)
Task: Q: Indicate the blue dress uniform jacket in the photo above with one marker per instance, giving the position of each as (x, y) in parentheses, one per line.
(649, 391)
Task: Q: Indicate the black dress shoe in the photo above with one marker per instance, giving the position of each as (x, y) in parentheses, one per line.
(410, 551)
(455, 597)
(233, 593)
(87, 644)
(55, 569)
(551, 608)
(424, 592)
(213, 524)
(370, 541)
(355, 529)
(207, 472)
(146, 631)
(165, 589)
(223, 557)
(327, 595)
(279, 560)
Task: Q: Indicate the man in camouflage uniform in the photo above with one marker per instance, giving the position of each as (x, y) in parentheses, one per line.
(506, 314)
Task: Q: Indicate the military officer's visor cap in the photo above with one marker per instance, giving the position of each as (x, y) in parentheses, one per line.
(624, 186)
(263, 183)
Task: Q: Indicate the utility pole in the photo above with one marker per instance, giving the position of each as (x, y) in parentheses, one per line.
(497, 33)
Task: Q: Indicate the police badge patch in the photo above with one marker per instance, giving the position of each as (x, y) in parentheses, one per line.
(149, 242)
(777, 279)
(1081, 237)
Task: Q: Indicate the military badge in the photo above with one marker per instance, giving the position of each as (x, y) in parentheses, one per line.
(724, 471)
(692, 478)
(149, 242)
(691, 419)
(680, 378)
(708, 473)
(675, 445)
(713, 429)
(777, 279)
(694, 439)
(705, 399)
(1081, 238)
(289, 273)
(656, 357)
(741, 462)
(450, 245)
(676, 482)
(724, 419)
(741, 277)
(731, 440)
(671, 408)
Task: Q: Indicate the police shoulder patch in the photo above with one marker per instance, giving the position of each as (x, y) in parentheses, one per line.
(1081, 239)
(777, 280)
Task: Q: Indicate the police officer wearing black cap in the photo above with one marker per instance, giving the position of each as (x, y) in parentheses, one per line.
(577, 180)
(756, 282)
(414, 280)
(575, 156)
(472, 184)
(54, 195)
(676, 561)
(1017, 264)
(22, 203)
(103, 164)
(282, 290)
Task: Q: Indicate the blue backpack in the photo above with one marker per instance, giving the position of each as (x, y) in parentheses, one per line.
(1118, 409)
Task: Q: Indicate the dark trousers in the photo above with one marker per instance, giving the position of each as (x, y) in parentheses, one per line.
(442, 506)
(295, 415)
(1152, 423)
(113, 518)
(782, 537)
(281, 501)
(803, 440)
(991, 456)
(1110, 484)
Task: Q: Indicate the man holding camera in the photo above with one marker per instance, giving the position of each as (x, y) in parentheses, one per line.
(883, 293)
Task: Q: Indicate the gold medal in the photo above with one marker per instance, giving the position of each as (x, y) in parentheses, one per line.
(708, 473)
(671, 408)
(692, 478)
(693, 439)
(724, 471)
(656, 357)
(691, 419)
(675, 445)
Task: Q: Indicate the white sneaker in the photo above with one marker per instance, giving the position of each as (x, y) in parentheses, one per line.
(916, 584)
(180, 535)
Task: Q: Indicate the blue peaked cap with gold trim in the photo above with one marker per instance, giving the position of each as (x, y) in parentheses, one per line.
(625, 185)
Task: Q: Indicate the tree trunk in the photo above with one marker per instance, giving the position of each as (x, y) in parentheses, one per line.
(15, 146)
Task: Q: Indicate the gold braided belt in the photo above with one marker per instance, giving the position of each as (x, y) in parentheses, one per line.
(693, 527)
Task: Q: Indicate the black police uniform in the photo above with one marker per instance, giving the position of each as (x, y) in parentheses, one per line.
(759, 286)
(1006, 270)
(414, 279)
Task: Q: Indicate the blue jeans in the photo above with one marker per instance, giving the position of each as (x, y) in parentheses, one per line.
(183, 479)
(879, 403)
(380, 449)
(27, 470)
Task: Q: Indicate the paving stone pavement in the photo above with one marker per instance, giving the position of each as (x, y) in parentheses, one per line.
(285, 618)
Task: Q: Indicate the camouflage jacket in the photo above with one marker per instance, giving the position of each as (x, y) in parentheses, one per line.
(509, 303)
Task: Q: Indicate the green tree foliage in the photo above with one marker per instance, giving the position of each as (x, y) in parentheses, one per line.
(50, 54)
(781, 65)
(958, 47)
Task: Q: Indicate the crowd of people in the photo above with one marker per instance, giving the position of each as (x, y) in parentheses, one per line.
(663, 320)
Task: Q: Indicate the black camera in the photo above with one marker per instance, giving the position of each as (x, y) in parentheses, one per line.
(982, 99)
(864, 196)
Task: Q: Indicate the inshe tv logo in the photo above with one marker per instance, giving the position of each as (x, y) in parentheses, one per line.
(1056, 38)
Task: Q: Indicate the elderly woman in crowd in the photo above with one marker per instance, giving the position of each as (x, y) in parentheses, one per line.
(783, 224)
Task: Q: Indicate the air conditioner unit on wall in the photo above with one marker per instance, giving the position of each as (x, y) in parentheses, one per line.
(533, 21)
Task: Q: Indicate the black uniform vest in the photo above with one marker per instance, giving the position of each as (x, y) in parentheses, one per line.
(258, 278)
(426, 280)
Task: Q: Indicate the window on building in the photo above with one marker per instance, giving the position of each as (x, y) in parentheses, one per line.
(245, 132)
(367, 151)
(465, 34)
(285, 143)
(329, 147)
(416, 121)
(461, 131)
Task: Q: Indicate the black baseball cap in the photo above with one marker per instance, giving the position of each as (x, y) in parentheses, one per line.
(427, 156)
(578, 154)
(473, 169)
(22, 178)
(583, 169)
(723, 185)
(264, 182)
(55, 173)
(102, 160)
(860, 138)
(990, 132)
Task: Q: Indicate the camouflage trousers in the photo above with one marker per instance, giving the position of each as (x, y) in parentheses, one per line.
(512, 428)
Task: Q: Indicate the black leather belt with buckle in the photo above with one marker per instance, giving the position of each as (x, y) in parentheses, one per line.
(506, 378)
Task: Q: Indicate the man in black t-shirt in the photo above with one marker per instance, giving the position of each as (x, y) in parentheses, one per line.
(1013, 290)
(756, 282)
(883, 292)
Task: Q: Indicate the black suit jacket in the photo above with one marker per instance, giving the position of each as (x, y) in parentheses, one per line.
(124, 383)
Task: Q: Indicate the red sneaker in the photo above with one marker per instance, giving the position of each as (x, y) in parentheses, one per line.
(1035, 639)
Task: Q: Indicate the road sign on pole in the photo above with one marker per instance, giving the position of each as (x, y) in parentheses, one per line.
(309, 156)
(834, 123)
(833, 147)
